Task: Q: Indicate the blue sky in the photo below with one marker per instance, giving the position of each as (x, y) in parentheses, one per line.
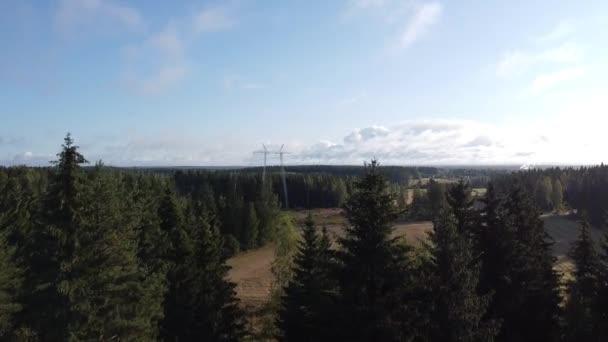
(207, 82)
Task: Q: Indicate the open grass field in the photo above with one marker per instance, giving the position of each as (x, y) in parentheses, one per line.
(251, 271)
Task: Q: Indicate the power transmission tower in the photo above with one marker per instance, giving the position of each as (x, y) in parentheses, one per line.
(265, 153)
(280, 153)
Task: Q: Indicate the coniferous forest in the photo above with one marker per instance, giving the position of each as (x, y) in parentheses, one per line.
(95, 253)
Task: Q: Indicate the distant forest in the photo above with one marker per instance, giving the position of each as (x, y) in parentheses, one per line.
(95, 253)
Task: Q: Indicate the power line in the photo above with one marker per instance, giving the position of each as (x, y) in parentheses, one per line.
(281, 154)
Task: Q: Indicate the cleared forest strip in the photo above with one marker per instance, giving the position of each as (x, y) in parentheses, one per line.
(251, 271)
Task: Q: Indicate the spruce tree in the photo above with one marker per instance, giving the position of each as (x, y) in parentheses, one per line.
(530, 302)
(10, 285)
(106, 295)
(49, 249)
(460, 201)
(517, 268)
(457, 312)
(436, 198)
(600, 309)
(373, 272)
(181, 281)
(307, 299)
(249, 233)
(267, 211)
(217, 315)
(200, 305)
(583, 290)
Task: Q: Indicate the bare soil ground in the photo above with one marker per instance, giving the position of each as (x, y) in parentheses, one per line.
(564, 231)
(251, 271)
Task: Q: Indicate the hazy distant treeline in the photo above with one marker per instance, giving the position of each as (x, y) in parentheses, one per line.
(584, 189)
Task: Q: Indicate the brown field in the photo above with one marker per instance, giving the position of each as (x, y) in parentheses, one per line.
(251, 270)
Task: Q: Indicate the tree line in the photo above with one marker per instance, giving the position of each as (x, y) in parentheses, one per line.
(100, 253)
(105, 255)
(583, 189)
(483, 275)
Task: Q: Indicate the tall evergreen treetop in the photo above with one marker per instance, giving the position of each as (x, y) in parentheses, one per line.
(461, 201)
(458, 311)
(49, 250)
(583, 290)
(373, 271)
(303, 315)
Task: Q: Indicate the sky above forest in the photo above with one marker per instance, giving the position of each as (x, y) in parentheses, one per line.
(141, 83)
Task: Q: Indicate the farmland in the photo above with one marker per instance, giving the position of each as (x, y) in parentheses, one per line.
(251, 271)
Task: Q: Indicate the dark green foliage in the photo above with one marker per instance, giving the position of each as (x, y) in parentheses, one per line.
(249, 235)
(267, 211)
(460, 201)
(105, 292)
(181, 283)
(48, 251)
(457, 311)
(308, 301)
(518, 270)
(436, 198)
(583, 290)
(373, 271)
(10, 284)
(102, 253)
(600, 309)
(200, 305)
(216, 312)
(584, 189)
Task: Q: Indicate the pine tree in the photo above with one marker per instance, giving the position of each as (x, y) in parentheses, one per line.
(373, 271)
(583, 291)
(457, 310)
(307, 300)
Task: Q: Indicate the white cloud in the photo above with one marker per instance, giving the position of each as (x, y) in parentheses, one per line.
(160, 62)
(365, 134)
(517, 63)
(72, 14)
(409, 20)
(550, 62)
(237, 82)
(420, 22)
(212, 20)
(573, 136)
(168, 41)
(549, 80)
(368, 4)
(562, 30)
(163, 79)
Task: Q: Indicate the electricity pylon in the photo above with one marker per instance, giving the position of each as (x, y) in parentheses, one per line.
(280, 153)
(265, 153)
